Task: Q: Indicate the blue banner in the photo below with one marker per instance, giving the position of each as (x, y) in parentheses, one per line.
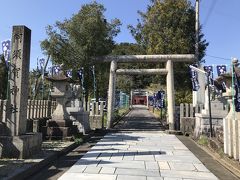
(80, 73)
(209, 70)
(194, 79)
(221, 69)
(151, 100)
(6, 49)
(160, 103)
(42, 62)
(69, 73)
(160, 99)
(56, 70)
(237, 91)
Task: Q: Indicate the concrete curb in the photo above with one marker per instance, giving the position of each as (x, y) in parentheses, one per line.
(125, 114)
(223, 162)
(36, 167)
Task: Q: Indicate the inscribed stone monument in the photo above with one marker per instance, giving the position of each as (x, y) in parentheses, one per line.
(21, 41)
(17, 143)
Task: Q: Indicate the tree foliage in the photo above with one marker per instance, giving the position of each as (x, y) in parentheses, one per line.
(75, 41)
(168, 27)
(127, 82)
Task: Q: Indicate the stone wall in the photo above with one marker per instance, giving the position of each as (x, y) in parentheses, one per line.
(202, 125)
(219, 111)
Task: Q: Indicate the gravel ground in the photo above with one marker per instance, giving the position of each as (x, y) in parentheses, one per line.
(9, 167)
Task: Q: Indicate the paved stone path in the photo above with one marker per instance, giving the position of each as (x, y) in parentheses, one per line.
(140, 119)
(138, 155)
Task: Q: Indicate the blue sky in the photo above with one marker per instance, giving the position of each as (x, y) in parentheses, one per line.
(220, 20)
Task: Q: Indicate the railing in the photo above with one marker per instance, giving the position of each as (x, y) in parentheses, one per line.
(36, 109)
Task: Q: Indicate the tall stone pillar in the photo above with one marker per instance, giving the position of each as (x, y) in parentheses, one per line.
(170, 94)
(16, 142)
(111, 93)
(21, 42)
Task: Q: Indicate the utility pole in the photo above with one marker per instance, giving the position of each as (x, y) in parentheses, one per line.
(197, 32)
(198, 96)
(195, 94)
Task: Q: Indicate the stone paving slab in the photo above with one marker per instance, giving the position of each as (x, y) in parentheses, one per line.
(85, 176)
(129, 177)
(188, 174)
(138, 156)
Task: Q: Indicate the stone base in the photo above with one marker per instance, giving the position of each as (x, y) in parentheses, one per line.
(59, 123)
(202, 125)
(34, 125)
(187, 125)
(81, 120)
(4, 130)
(20, 147)
(96, 122)
(55, 133)
(174, 132)
(59, 129)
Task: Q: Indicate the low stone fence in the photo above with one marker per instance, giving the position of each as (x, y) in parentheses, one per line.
(96, 116)
(231, 134)
(187, 117)
(36, 110)
(39, 111)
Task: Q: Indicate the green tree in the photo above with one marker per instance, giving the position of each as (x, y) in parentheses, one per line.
(168, 27)
(76, 41)
(128, 82)
(3, 77)
(38, 87)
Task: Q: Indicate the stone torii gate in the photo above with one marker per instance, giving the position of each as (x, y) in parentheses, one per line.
(169, 59)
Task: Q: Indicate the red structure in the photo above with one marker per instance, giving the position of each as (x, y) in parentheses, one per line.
(139, 100)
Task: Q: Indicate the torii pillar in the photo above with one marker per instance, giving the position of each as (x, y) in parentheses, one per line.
(170, 95)
(111, 93)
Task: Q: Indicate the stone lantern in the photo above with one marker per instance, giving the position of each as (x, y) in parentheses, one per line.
(231, 122)
(62, 93)
(60, 126)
